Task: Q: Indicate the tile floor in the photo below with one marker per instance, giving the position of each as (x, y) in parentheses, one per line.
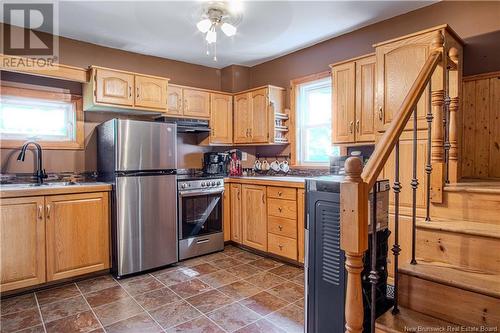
(230, 291)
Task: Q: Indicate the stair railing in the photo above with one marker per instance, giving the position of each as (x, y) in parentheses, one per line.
(355, 190)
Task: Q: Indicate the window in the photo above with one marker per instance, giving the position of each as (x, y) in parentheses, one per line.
(52, 119)
(314, 122)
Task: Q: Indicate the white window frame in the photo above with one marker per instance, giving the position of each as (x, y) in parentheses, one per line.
(299, 123)
(76, 139)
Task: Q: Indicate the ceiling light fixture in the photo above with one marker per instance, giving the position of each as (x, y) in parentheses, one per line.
(216, 16)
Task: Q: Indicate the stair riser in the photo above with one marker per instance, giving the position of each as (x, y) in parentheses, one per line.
(480, 207)
(464, 250)
(448, 303)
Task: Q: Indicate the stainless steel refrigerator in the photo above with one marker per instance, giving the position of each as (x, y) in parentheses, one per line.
(139, 159)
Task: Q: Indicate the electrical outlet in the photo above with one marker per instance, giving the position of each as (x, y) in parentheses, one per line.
(244, 156)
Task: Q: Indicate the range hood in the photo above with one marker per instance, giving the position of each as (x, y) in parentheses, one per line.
(186, 125)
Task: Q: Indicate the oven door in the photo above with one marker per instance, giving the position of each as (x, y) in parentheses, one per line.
(200, 213)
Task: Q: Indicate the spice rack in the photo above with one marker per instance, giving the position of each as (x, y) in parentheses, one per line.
(280, 127)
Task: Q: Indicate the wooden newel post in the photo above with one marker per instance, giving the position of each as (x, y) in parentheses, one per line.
(454, 124)
(354, 240)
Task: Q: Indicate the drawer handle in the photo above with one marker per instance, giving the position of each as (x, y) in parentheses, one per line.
(280, 209)
(129, 91)
(280, 227)
(280, 246)
(280, 194)
(201, 241)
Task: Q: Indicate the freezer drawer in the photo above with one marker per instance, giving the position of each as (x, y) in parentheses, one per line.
(146, 225)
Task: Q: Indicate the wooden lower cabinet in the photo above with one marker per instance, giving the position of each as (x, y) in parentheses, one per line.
(77, 232)
(227, 212)
(47, 238)
(254, 216)
(22, 246)
(235, 216)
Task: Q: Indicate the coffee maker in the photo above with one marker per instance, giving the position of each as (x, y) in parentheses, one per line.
(215, 163)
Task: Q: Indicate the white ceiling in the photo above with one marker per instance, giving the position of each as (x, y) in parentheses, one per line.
(268, 29)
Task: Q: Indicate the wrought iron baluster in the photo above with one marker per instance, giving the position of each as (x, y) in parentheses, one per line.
(428, 167)
(374, 276)
(396, 249)
(414, 186)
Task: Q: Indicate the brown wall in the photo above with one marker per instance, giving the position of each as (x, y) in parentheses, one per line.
(235, 78)
(477, 22)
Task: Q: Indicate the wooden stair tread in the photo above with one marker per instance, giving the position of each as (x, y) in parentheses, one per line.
(406, 319)
(475, 281)
(460, 226)
(474, 186)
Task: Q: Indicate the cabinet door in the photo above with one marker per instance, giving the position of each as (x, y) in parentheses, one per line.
(77, 233)
(259, 129)
(398, 65)
(365, 100)
(22, 246)
(221, 118)
(235, 199)
(300, 224)
(227, 212)
(254, 216)
(343, 90)
(150, 92)
(113, 87)
(242, 117)
(196, 103)
(174, 100)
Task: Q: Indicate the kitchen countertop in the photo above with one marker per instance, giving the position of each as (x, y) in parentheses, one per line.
(28, 190)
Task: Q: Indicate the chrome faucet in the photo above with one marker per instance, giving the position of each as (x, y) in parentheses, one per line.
(40, 172)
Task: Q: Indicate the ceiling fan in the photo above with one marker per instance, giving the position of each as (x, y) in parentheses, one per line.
(218, 15)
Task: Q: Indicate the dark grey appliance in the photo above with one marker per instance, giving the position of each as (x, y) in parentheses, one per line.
(216, 163)
(187, 125)
(324, 260)
(200, 216)
(139, 159)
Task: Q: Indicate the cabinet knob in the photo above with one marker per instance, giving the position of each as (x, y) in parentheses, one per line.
(351, 124)
(280, 246)
(280, 227)
(137, 92)
(48, 211)
(130, 91)
(280, 194)
(380, 113)
(280, 209)
(357, 125)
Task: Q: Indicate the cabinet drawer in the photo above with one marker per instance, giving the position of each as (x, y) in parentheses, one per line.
(282, 246)
(281, 193)
(281, 226)
(282, 208)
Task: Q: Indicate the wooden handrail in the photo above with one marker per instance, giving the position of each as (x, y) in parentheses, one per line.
(386, 144)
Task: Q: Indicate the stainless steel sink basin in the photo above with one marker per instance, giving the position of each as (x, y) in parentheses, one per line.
(38, 185)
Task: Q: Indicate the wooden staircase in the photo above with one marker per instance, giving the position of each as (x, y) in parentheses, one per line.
(456, 280)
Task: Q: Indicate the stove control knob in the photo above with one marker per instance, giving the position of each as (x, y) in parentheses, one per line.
(213, 183)
(218, 182)
(203, 184)
(183, 185)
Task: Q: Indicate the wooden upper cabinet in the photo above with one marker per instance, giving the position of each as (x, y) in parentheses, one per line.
(196, 103)
(22, 245)
(242, 117)
(398, 65)
(365, 100)
(221, 118)
(77, 233)
(151, 92)
(259, 130)
(174, 100)
(236, 218)
(114, 87)
(343, 103)
(254, 216)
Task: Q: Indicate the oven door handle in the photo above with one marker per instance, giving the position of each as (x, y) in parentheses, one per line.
(184, 194)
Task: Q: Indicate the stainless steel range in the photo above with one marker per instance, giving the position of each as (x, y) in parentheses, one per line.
(200, 215)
